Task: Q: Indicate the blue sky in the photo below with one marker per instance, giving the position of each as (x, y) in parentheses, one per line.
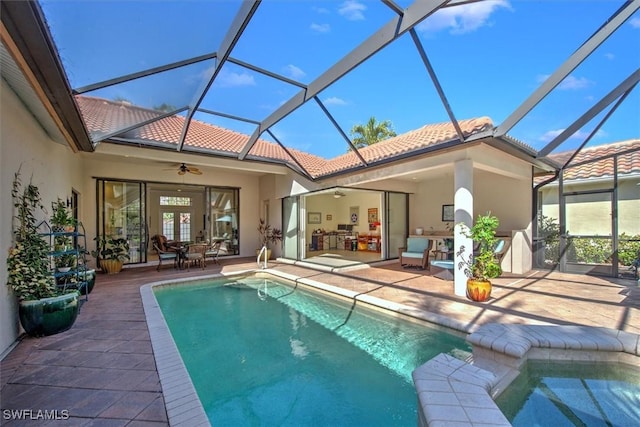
(488, 56)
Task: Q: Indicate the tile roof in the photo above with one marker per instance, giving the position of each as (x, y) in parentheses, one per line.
(427, 136)
(627, 163)
(104, 117)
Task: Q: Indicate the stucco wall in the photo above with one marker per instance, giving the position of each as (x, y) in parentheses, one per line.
(507, 198)
(592, 214)
(52, 167)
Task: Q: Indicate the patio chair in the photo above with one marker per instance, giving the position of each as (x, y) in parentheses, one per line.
(416, 252)
(195, 255)
(164, 255)
(213, 251)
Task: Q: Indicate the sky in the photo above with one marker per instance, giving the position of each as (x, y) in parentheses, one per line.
(489, 57)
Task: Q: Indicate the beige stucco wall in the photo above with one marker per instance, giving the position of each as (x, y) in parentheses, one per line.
(592, 215)
(52, 167)
(507, 198)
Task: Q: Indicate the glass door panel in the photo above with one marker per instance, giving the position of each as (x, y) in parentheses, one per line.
(290, 227)
(121, 214)
(223, 216)
(396, 223)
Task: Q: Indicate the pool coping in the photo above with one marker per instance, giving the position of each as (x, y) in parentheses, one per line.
(182, 403)
(449, 390)
(454, 391)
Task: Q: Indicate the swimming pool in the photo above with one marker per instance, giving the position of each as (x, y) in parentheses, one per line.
(573, 393)
(266, 353)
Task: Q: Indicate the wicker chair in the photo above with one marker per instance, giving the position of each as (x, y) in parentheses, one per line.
(195, 255)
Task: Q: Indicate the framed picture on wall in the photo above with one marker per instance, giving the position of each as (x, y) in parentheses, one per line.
(354, 215)
(447, 213)
(314, 218)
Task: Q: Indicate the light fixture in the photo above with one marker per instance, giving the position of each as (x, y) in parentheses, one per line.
(338, 194)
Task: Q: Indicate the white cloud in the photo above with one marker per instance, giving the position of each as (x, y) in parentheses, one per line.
(609, 56)
(574, 83)
(352, 10)
(320, 10)
(581, 134)
(320, 28)
(335, 101)
(294, 72)
(635, 22)
(235, 79)
(463, 19)
(569, 83)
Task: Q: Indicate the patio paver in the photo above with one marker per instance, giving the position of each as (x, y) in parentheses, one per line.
(102, 370)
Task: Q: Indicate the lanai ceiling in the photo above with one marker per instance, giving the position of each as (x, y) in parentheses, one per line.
(285, 81)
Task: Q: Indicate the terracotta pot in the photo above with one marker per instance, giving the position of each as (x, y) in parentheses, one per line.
(478, 290)
(111, 266)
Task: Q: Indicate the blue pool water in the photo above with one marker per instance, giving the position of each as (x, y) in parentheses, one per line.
(263, 353)
(573, 394)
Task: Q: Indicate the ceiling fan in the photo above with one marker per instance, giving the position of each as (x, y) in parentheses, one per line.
(183, 168)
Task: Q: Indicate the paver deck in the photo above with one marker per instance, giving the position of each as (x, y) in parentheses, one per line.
(102, 371)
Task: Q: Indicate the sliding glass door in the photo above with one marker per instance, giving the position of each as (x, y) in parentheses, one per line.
(122, 213)
(290, 227)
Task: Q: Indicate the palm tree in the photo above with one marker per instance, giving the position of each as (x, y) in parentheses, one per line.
(372, 132)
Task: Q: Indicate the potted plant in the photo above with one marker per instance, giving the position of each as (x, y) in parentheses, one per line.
(42, 309)
(61, 219)
(65, 262)
(483, 264)
(111, 253)
(268, 235)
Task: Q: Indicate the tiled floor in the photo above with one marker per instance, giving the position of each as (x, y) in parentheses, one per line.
(103, 371)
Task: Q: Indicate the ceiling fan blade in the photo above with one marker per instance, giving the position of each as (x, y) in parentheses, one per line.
(181, 172)
(195, 171)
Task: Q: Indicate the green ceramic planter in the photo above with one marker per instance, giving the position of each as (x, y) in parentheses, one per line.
(49, 316)
(90, 278)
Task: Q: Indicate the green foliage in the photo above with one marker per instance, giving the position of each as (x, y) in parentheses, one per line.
(628, 249)
(29, 275)
(590, 250)
(484, 265)
(61, 215)
(372, 132)
(111, 248)
(549, 230)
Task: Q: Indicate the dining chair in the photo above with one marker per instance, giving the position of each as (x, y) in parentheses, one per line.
(195, 255)
(213, 251)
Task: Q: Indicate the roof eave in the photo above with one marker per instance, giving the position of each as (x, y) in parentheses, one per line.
(25, 25)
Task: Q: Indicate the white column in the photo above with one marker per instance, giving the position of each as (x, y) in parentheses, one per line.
(463, 207)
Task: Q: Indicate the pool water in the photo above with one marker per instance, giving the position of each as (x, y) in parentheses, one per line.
(573, 394)
(263, 353)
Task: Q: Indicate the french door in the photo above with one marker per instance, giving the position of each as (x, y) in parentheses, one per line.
(176, 224)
